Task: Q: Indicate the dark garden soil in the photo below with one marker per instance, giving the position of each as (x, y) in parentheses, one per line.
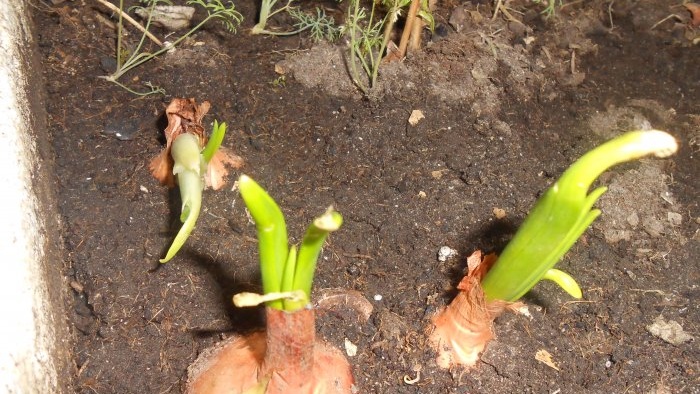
(504, 116)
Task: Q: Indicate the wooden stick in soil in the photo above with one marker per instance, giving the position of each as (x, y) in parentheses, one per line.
(414, 43)
(132, 21)
(408, 28)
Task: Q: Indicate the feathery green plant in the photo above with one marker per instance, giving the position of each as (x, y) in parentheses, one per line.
(561, 216)
(367, 43)
(551, 5)
(369, 36)
(321, 26)
(216, 10)
(287, 272)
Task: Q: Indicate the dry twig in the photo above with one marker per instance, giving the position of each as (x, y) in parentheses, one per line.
(132, 21)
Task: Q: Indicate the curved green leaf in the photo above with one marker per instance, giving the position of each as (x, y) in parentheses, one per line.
(565, 281)
(191, 193)
(272, 235)
(564, 213)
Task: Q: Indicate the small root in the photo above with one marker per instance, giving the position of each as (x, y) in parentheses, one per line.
(411, 381)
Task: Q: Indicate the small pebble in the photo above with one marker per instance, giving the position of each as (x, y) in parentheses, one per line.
(675, 218)
(353, 269)
(378, 297)
(445, 253)
(350, 348)
(123, 130)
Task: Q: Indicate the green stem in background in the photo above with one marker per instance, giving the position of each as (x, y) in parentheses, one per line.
(309, 251)
(368, 43)
(120, 26)
(189, 168)
(272, 235)
(355, 14)
(389, 22)
(154, 89)
(562, 215)
(267, 13)
(551, 5)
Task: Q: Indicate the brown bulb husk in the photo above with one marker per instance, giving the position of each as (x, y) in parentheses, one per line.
(286, 358)
(460, 332)
(185, 116)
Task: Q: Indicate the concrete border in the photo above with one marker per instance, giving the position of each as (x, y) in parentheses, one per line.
(34, 338)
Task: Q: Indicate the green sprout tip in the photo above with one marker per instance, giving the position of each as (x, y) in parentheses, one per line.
(561, 216)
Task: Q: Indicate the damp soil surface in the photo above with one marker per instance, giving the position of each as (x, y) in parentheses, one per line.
(508, 104)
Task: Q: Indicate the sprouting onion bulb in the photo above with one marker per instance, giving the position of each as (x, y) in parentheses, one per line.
(561, 216)
(190, 165)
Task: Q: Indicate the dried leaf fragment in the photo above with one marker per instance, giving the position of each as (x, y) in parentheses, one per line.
(694, 12)
(545, 358)
(184, 116)
(281, 68)
(161, 168)
(499, 213)
(669, 331)
(217, 170)
(437, 174)
(343, 299)
(416, 116)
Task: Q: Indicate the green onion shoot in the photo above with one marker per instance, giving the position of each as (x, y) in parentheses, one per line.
(561, 216)
(190, 167)
(285, 270)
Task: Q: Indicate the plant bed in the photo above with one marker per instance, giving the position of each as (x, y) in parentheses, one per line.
(497, 131)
